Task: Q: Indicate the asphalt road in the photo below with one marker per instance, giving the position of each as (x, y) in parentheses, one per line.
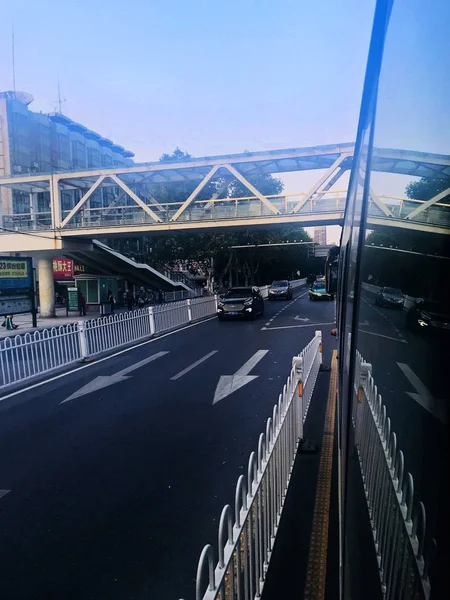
(406, 363)
(113, 493)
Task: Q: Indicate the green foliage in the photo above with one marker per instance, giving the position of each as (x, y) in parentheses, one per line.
(415, 274)
(426, 188)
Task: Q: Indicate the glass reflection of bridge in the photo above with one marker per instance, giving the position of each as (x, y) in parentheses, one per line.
(125, 200)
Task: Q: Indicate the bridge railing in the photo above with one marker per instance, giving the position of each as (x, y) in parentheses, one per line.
(212, 209)
(398, 520)
(247, 534)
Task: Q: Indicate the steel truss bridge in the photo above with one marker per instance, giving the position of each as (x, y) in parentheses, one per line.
(121, 201)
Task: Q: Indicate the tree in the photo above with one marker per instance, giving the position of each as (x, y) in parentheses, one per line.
(426, 188)
(417, 270)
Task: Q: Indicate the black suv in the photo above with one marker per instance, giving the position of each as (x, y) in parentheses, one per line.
(429, 317)
(244, 302)
(280, 290)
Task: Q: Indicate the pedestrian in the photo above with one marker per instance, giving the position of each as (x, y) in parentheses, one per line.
(82, 305)
(160, 297)
(129, 297)
(8, 323)
(111, 300)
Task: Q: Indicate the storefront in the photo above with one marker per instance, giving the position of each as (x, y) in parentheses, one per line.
(93, 286)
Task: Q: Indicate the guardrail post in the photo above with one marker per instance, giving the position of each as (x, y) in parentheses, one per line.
(151, 317)
(83, 341)
(216, 300)
(188, 301)
(365, 370)
(297, 364)
(319, 335)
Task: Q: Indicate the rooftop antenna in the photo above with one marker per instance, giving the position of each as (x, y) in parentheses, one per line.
(60, 100)
(13, 58)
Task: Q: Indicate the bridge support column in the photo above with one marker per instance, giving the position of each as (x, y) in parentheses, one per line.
(46, 287)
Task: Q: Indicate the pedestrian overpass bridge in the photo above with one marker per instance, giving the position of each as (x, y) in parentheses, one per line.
(66, 207)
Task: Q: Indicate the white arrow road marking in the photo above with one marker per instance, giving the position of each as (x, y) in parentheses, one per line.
(105, 380)
(423, 396)
(230, 383)
(4, 492)
(198, 362)
(304, 319)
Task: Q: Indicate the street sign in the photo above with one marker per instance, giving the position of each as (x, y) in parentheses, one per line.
(16, 275)
(73, 299)
(62, 269)
(17, 287)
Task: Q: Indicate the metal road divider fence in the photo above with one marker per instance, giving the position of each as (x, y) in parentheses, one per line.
(26, 356)
(246, 535)
(398, 522)
(23, 357)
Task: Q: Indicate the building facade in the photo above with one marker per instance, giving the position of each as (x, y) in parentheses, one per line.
(320, 235)
(32, 142)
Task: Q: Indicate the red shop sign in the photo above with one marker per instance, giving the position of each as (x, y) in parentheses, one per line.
(62, 269)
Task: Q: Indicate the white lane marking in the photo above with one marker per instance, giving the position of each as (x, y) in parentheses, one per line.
(251, 363)
(197, 362)
(3, 493)
(304, 319)
(297, 326)
(377, 310)
(230, 383)
(423, 395)
(96, 362)
(103, 381)
(387, 337)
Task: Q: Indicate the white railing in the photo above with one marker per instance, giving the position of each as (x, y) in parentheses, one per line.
(246, 535)
(398, 522)
(264, 289)
(113, 331)
(182, 295)
(25, 356)
(203, 307)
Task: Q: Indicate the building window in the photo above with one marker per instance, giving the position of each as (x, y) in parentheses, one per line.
(21, 203)
(93, 157)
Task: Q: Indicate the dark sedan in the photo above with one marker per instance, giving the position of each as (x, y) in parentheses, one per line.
(390, 297)
(244, 302)
(429, 317)
(280, 290)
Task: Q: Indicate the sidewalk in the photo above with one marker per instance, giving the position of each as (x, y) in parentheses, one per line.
(24, 322)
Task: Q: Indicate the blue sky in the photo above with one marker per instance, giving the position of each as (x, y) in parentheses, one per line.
(225, 76)
(210, 76)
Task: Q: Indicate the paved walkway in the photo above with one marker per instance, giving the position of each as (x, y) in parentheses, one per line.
(24, 322)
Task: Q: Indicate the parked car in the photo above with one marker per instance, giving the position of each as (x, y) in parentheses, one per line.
(388, 296)
(244, 302)
(280, 290)
(318, 291)
(429, 317)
